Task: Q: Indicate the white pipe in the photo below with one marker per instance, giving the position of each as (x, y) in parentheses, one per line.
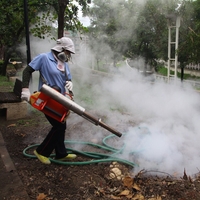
(71, 105)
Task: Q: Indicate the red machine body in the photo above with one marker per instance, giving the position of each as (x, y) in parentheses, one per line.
(49, 106)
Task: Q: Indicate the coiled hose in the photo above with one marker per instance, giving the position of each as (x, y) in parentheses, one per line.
(96, 157)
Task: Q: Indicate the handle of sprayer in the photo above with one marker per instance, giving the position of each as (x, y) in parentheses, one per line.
(71, 94)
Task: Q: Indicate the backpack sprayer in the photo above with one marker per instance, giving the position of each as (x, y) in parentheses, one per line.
(57, 106)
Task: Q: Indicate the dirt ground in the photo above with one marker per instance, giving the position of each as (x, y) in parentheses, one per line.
(77, 181)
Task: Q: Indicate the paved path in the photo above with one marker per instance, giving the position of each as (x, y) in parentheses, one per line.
(11, 187)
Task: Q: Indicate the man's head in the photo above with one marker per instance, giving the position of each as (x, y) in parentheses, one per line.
(64, 43)
(64, 48)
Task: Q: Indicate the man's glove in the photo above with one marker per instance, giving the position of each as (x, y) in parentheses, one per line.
(69, 85)
(25, 95)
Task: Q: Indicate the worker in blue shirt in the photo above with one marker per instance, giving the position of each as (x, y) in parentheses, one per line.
(54, 71)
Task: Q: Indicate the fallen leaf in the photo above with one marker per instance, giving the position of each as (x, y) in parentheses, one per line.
(41, 196)
(129, 196)
(128, 181)
(23, 134)
(102, 191)
(116, 171)
(115, 198)
(124, 193)
(136, 187)
(157, 198)
(138, 197)
(175, 174)
(190, 179)
(11, 125)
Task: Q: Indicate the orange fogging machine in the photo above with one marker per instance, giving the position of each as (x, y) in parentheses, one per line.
(54, 104)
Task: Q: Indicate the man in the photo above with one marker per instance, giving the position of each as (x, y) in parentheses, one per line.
(54, 71)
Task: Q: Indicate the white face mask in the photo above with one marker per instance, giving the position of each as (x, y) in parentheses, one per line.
(62, 56)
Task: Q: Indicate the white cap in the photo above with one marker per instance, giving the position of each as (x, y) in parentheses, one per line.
(64, 43)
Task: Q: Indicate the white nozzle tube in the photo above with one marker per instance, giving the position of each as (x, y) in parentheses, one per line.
(71, 105)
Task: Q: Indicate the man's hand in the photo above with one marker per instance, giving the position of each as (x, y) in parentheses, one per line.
(69, 85)
(25, 95)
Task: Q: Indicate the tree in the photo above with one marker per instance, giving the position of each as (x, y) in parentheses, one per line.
(133, 29)
(189, 48)
(12, 26)
(130, 28)
(67, 13)
(12, 21)
(111, 24)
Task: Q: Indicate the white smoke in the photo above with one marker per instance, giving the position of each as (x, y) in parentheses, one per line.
(168, 114)
(159, 120)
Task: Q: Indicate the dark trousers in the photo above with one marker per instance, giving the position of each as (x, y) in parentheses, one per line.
(54, 140)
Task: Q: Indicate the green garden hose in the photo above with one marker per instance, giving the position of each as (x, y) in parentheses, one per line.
(96, 157)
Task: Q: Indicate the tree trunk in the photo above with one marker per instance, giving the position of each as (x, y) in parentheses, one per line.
(182, 70)
(1, 52)
(4, 66)
(62, 4)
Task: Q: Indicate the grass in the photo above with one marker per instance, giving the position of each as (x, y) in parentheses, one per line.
(26, 122)
(6, 85)
(32, 119)
(5, 82)
(163, 71)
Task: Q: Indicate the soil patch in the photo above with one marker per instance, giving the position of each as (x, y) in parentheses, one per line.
(97, 181)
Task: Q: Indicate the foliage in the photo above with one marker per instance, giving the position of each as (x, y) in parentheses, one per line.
(12, 25)
(151, 32)
(63, 13)
(42, 14)
(189, 51)
(108, 27)
(132, 29)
